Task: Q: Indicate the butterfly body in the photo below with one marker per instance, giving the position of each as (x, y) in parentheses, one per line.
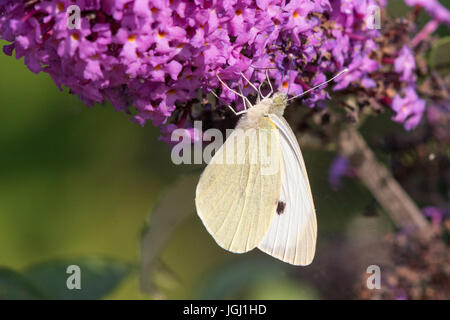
(254, 115)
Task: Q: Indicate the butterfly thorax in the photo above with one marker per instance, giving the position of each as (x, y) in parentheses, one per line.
(254, 115)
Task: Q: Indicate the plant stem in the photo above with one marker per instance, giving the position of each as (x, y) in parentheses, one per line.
(389, 193)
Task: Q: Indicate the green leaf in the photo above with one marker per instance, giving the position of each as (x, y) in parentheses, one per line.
(14, 286)
(175, 205)
(253, 278)
(98, 278)
(439, 56)
(230, 281)
(280, 287)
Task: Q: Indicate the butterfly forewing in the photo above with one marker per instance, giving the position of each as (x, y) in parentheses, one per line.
(235, 201)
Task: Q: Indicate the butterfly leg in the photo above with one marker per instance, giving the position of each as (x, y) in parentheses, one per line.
(253, 86)
(270, 84)
(237, 113)
(230, 107)
(268, 81)
(243, 101)
(236, 93)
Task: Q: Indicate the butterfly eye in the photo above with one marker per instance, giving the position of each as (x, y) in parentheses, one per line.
(280, 99)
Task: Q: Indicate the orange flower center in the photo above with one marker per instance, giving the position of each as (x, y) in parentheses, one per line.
(75, 36)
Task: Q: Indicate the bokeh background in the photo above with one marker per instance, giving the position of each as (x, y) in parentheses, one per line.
(79, 183)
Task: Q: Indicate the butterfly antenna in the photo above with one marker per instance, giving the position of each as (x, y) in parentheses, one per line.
(282, 76)
(319, 85)
(289, 84)
(289, 80)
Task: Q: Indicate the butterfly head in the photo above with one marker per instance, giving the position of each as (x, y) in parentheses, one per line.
(279, 103)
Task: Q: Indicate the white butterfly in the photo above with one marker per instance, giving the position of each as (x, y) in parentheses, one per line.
(241, 207)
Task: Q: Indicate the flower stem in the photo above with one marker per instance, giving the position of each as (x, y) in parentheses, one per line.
(389, 193)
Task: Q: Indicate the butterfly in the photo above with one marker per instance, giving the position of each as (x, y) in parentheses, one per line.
(239, 201)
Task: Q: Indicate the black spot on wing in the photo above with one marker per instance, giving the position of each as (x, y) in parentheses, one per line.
(280, 207)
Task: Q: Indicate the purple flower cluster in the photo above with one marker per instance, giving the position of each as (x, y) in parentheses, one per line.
(436, 214)
(339, 168)
(409, 109)
(161, 55)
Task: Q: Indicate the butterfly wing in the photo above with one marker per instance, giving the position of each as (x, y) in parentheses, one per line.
(236, 201)
(293, 232)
